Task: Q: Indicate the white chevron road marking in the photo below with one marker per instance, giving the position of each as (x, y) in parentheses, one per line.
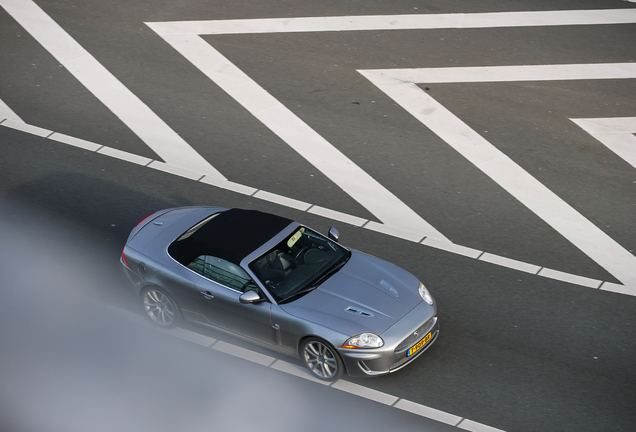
(180, 159)
(396, 217)
(401, 86)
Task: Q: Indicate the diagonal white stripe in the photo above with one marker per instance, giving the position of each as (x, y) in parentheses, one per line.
(184, 37)
(302, 138)
(108, 89)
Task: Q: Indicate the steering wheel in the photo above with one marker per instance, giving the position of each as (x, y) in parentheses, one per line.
(300, 253)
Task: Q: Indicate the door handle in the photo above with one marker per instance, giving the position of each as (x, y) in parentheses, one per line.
(207, 295)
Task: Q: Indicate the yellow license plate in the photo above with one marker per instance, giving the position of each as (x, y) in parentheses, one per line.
(419, 345)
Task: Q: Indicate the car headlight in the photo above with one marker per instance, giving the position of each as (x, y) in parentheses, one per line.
(364, 340)
(426, 296)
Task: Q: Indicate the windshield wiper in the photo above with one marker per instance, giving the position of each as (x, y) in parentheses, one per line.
(317, 282)
(328, 273)
(296, 294)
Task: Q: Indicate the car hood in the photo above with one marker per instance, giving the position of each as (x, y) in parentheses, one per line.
(367, 295)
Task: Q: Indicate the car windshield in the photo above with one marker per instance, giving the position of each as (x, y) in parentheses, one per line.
(299, 264)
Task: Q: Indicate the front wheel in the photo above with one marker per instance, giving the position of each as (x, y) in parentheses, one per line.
(321, 359)
(160, 307)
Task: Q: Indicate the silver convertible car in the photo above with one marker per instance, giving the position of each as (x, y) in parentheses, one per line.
(282, 285)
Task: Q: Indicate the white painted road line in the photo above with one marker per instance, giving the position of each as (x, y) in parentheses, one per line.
(24, 127)
(401, 22)
(336, 215)
(397, 232)
(76, 142)
(296, 370)
(483, 74)
(365, 392)
(342, 217)
(109, 90)
(428, 412)
(244, 353)
(453, 248)
(228, 185)
(616, 133)
(171, 169)
(188, 335)
(401, 86)
(567, 277)
(7, 113)
(510, 263)
(297, 134)
(119, 154)
(470, 425)
(279, 199)
(619, 289)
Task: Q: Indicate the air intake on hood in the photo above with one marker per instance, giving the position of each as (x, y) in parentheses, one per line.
(358, 312)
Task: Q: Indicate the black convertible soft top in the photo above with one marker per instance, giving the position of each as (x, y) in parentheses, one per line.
(231, 235)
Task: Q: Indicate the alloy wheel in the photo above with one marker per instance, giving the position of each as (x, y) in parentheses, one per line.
(160, 308)
(321, 360)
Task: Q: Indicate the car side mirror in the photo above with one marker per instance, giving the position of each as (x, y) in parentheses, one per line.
(250, 297)
(334, 234)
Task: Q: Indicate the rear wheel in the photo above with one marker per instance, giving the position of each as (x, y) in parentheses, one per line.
(160, 307)
(321, 359)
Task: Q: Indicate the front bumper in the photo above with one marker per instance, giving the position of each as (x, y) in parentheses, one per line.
(398, 340)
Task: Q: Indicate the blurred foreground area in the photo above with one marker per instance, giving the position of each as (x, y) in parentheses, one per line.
(70, 362)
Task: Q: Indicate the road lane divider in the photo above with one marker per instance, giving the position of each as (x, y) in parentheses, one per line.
(188, 335)
(365, 392)
(301, 372)
(328, 213)
(24, 127)
(244, 353)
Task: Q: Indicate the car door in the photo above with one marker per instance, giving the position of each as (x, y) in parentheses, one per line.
(218, 291)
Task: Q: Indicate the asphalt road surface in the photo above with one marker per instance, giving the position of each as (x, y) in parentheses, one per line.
(487, 147)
